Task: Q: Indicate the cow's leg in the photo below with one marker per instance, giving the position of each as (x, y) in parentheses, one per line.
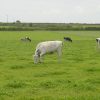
(59, 52)
(98, 43)
(41, 57)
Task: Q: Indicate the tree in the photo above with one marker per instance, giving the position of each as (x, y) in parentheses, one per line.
(18, 21)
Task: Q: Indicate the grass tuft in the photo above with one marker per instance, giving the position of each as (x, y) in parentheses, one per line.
(16, 84)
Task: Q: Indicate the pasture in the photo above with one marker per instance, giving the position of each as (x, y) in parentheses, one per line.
(75, 77)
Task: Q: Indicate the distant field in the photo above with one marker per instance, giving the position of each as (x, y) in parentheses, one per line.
(76, 77)
(18, 26)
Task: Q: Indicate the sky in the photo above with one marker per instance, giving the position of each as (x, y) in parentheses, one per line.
(50, 11)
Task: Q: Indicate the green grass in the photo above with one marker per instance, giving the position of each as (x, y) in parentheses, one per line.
(75, 77)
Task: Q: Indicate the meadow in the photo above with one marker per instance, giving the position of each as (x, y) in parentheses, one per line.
(75, 77)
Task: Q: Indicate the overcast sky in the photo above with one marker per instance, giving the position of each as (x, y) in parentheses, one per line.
(56, 11)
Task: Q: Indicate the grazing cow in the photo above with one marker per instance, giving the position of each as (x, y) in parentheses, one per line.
(26, 39)
(98, 41)
(68, 39)
(47, 47)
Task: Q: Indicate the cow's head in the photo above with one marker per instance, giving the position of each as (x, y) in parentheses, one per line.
(36, 58)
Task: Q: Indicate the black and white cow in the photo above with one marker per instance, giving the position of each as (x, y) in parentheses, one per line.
(68, 39)
(98, 42)
(26, 39)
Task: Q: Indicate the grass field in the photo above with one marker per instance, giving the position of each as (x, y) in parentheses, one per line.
(76, 77)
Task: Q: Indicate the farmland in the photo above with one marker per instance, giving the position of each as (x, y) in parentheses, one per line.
(75, 77)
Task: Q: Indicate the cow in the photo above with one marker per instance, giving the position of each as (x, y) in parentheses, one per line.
(68, 39)
(47, 47)
(26, 39)
(98, 42)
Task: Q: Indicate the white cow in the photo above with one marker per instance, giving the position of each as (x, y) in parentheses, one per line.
(98, 41)
(47, 47)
